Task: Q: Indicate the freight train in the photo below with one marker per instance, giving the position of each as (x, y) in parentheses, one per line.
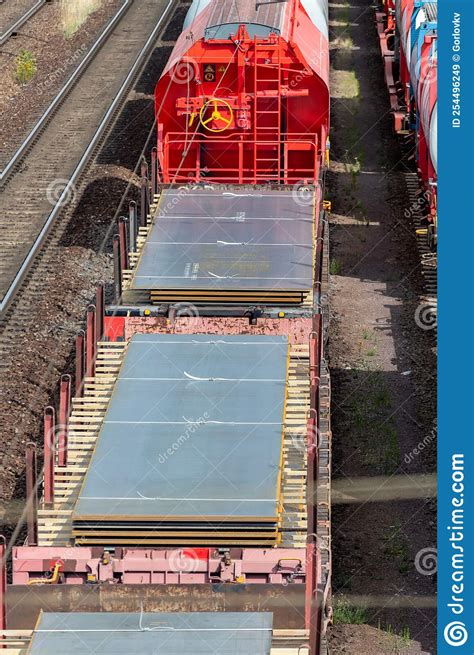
(186, 479)
(408, 33)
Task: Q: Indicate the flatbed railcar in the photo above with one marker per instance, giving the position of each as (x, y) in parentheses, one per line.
(227, 251)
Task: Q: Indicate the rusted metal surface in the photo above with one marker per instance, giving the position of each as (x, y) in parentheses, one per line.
(99, 312)
(49, 447)
(286, 602)
(297, 330)
(64, 407)
(80, 362)
(90, 341)
(123, 244)
(132, 226)
(117, 268)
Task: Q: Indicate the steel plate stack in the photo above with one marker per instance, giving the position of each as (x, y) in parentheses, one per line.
(210, 245)
(190, 450)
(101, 633)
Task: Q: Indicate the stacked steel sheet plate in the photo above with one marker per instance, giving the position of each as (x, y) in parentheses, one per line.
(212, 245)
(190, 449)
(81, 633)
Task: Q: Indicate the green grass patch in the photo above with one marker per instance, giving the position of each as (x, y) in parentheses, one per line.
(368, 413)
(25, 66)
(335, 267)
(345, 612)
(396, 547)
(402, 638)
(345, 84)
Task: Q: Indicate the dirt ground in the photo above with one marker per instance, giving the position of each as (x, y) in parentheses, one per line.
(11, 11)
(56, 57)
(382, 367)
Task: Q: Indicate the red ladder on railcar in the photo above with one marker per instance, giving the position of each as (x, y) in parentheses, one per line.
(267, 121)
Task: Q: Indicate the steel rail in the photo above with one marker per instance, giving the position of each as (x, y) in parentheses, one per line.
(64, 91)
(28, 261)
(21, 21)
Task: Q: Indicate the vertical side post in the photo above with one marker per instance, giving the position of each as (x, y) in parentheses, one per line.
(79, 362)
(315, 354)
(123, 243)
(117, 270)
(311, 439)
(90, 341)
(154, 174)
(64, 407)
(31, 494)
(310, 580)
(3, 583)
(132, 226)
(49, 446)
(144, 169)
(315, 628)
(99, 312)
(144, 195)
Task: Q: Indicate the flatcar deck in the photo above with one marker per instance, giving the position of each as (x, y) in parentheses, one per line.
(55, 523)
(233, 251)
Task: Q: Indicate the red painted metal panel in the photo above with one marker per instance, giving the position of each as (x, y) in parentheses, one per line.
(31, 494)
(114, 328)
(49, 454)
(64, 408)
(221, 103)
(80, 362)
(81, 565)
(3, 583)
(90, 341)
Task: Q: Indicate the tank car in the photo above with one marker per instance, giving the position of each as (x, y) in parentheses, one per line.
(408, 32)
(245, 95)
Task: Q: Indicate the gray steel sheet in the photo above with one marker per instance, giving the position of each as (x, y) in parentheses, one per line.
(213, 241)
(237, 206)
(193, 429)
(111, 633)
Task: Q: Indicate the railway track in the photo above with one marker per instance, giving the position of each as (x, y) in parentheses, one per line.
(14, 21)
(13, 164)
(38, 199)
